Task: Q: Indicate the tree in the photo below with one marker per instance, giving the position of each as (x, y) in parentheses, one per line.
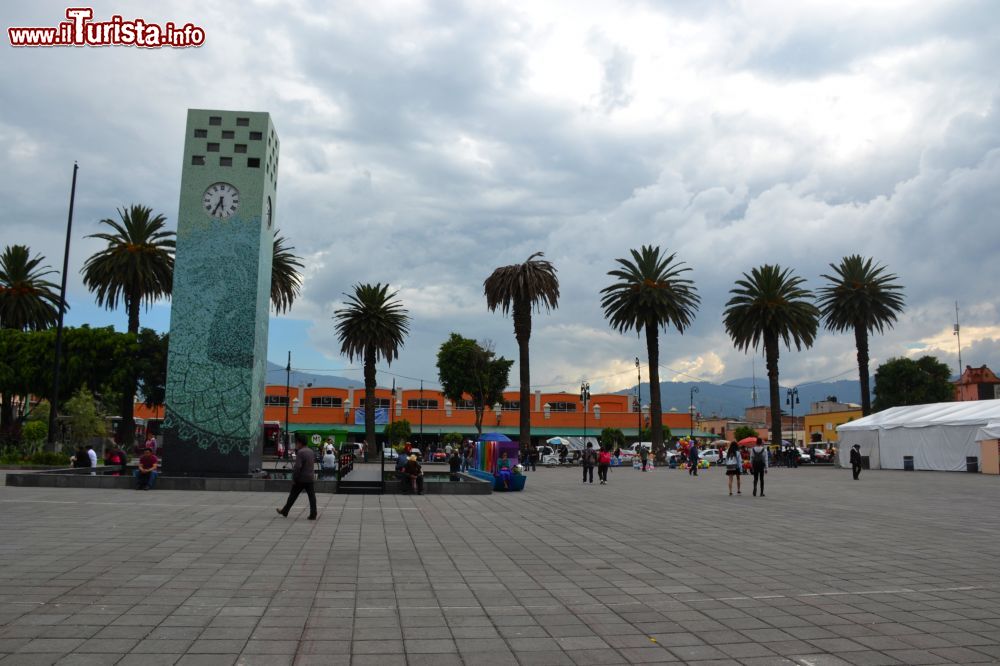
(864, 298)
(453, 438)
(903, 381)
(742, 432)
(650, 294)
(151, 366)
(397, 432)
(371, 326)
(612, 438)
(27, 302)
(466, 367)
(286, 278)
(520, 289)
(769, 306)
(83, 420)
(136, 268)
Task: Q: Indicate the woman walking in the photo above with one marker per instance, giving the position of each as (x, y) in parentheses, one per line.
(733, 463)
(603, 463)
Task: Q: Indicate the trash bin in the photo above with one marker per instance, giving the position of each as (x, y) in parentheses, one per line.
(908, 463)
(972, 464)
(866, 462)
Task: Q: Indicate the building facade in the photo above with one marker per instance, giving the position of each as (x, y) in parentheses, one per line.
(977, 384)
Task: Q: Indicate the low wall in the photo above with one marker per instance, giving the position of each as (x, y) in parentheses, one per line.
(86, 480)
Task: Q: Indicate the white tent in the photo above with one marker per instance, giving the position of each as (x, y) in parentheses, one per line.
(939, 436)
(988, 432)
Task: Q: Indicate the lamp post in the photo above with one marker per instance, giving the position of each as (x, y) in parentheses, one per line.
(792, 399)
(497, 407)
(288, 402)
(422, 405)
(585, 399)
(694, 389)
(638, 399)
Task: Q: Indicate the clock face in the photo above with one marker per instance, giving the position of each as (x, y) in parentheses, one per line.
(270, 219)
(221, 200)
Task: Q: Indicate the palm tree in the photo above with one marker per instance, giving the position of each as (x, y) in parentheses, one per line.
(519, 289)
(286, 279)
(27, 302)
(863, 297)
(650, 294)
(135, 268)
(766, 307)
(371, 325)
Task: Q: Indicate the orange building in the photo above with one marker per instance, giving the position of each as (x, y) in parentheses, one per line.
(552, 414)
(977, 384)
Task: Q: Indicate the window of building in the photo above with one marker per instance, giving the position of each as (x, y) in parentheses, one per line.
(380, 403)
(228, 134)
(225, 161)
(213, 147)
(240, 148)
(253, 162)
(198, 160)
(201, 133)
(425, 403)
(242, 122)
(326, 401)
(511, 405)
(215, 120)
(275, 400)
(465, 404)
(562, 406)
(256, 136)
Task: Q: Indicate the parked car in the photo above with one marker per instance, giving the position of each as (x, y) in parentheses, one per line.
(804, 457)
(823, 455)
(389, 453)
(439, 456)
(711, 455)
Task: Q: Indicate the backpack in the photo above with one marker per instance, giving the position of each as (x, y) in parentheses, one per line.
(757, 457)
(604, 457)
(589, 457)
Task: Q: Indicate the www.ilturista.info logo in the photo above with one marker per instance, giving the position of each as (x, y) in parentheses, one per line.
(80, 30)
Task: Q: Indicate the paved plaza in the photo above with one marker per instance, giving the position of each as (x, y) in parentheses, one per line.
(898, 568)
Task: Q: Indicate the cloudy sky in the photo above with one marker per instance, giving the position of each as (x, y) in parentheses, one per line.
(426, 143)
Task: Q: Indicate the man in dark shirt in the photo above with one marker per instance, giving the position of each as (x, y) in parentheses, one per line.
(303, 476)
(146, 474)
(856, 461)
(415, 474)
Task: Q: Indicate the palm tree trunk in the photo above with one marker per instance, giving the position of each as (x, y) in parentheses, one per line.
(479, 420)
(370, 399)
(655, 408)
(522, 332)
(771, 351)
(126, 428)
(861, 342)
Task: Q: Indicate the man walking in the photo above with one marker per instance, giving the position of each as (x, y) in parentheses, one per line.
(589, 460)
(693, 457)
(303, 476)
(758, 465)
(856, 461)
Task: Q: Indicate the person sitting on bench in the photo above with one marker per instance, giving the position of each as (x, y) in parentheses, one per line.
(146, 474)
(415, 474)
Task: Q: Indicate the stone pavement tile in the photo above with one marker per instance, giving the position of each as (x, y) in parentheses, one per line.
(377, 647)
(174, 632)
(966, 638)
(225, 633)
(324, 647)
(8, 645)
(438, 659)
(914, 657)
(520, 645)
(504, 658)
(90, 659)
(515, 634)
(120, 645)
(51, 645)
(647, 655)
(961, 655)
(671, 640)
(429, 646)
(115, 631)
(603, 657)
(925, 641)
(819, 660)
(207, 660)
(544, 658)
(697, 653)
(326, 634)
(164, 645)
(869, 658)
(270, 647)
(786, 648)
(32, 659)
(388, 659)
(322, 660)
(581, 643)
(744, 650)
(163, 659)
(835, 644)
(211, 646)
(469, 645)
(474, 632)
(770, 661)
(265, 659)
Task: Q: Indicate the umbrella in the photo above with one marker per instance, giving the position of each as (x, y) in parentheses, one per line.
(494, 437)
(748, 441)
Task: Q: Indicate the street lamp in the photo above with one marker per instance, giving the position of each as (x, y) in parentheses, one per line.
(288, 400)
(585, 399)
(497, 407)
(792, 399)
(694, 389)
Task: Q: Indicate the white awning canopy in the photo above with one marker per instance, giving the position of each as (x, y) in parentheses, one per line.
(972, 412)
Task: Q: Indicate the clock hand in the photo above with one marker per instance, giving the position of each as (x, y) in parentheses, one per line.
(218, 205)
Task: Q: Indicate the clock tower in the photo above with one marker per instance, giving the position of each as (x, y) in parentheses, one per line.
(221, 295)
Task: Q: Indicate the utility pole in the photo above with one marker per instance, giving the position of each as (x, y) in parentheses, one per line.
(288, 401)
(585, 399)
(959, 338)
(638, 399)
